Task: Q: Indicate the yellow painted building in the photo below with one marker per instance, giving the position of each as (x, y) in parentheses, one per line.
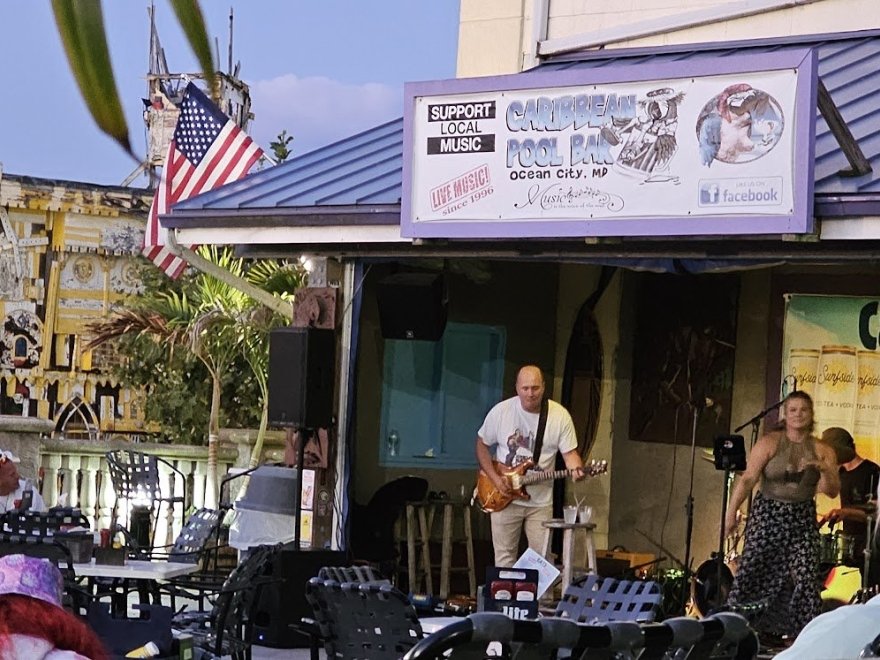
(68, 252)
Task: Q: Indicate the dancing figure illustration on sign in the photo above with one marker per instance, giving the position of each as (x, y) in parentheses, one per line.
(649, 141)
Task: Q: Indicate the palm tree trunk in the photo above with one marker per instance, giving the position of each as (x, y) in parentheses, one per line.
(257, 450)
(211, 496)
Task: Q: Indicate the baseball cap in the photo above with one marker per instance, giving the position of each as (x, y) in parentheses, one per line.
(30, 576)
(6, 455)
(841, 442)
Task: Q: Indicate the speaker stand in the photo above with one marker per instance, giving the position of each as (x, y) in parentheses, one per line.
(304, 435)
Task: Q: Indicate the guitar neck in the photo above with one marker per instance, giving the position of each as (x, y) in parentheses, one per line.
(543, 475)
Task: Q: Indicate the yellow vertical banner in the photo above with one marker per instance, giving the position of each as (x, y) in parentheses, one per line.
(830, 349)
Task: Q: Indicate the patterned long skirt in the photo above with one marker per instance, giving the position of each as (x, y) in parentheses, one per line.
(778, 573)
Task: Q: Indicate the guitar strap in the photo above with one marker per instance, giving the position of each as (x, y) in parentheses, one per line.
(539, 437)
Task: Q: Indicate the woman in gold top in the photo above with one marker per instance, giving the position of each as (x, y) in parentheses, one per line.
(778, 574)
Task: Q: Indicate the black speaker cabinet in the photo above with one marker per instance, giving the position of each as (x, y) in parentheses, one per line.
(412, 306)
(302, 363)
(283, 601)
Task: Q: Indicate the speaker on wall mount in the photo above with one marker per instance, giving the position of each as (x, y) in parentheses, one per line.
(412, 306)
(302, 363)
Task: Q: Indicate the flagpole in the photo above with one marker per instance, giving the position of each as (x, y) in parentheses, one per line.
(198, 262)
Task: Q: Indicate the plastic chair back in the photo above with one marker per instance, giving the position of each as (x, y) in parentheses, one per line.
(595, 599)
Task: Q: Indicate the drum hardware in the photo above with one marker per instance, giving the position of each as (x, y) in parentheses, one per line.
(710, 585)
(836, 549)
(870, 544)
(662, 548)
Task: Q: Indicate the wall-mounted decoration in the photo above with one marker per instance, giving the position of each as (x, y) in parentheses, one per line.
(683, 357)
(22, 337)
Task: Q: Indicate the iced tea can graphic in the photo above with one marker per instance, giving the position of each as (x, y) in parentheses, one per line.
(836, 387)
(867, 414)
(803, 363)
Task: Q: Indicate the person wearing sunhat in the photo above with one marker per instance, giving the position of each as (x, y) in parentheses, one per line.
(858, 483)
(33, 624)
(13, 487)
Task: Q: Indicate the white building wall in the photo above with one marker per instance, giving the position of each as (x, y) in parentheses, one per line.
(495, 36)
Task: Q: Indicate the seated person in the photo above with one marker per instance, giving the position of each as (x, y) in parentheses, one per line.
(13, 487)
(859, 478)
(840, 633)
(32, 623)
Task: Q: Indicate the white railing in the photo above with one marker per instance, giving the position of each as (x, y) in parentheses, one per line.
(78, 470)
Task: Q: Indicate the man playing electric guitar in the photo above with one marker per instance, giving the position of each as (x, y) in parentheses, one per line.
(512, 428)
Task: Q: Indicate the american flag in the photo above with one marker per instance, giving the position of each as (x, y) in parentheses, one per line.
(206, 151)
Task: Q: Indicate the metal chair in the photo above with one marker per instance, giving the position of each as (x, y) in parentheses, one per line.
(197, 543)
(595, 599)
(359, 621)
(135, 479)
(227, 630)
(469, 638)
(720, 637)
(340, 574)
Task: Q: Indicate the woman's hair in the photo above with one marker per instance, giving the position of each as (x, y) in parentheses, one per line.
(23, 615)
(806, 398)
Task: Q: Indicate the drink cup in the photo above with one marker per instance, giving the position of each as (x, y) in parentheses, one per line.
(569, 514)
(585, 514)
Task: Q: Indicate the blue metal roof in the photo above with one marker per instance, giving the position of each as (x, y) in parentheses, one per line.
(363, 170)
(363, 173)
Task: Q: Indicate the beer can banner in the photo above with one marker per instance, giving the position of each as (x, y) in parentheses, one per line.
(867, 415)
(836, 387)
(803, 363)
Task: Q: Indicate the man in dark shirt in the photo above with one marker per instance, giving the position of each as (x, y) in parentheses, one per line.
(858, 485)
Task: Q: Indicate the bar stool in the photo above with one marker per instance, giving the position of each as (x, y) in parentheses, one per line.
(419, 534)
(568, 546)
(451, 510)
(420, 520)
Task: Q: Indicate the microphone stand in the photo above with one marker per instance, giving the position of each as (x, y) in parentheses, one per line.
(697, 405)
(755, 423)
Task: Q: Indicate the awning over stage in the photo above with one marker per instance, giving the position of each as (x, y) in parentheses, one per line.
(345, 199)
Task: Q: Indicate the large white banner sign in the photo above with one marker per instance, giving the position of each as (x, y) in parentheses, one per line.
(682, 155)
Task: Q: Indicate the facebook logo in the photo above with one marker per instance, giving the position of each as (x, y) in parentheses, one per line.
(710, 193)
(763, 191)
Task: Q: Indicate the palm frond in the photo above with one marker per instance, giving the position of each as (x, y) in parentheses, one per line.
(81, 28)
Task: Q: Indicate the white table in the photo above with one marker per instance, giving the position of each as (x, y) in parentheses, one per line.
(136, 569)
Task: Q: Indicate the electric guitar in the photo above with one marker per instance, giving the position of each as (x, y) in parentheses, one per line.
(491, 499)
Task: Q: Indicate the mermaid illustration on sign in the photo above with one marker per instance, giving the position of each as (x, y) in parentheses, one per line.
(649, 141)
(739, 125)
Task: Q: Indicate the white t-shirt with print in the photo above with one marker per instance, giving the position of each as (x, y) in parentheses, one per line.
(511, 431)
(7, 502)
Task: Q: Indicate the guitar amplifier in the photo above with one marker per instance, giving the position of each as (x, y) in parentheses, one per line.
(616, 563)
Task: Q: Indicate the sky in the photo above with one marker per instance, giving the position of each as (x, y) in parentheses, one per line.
(319, 69)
